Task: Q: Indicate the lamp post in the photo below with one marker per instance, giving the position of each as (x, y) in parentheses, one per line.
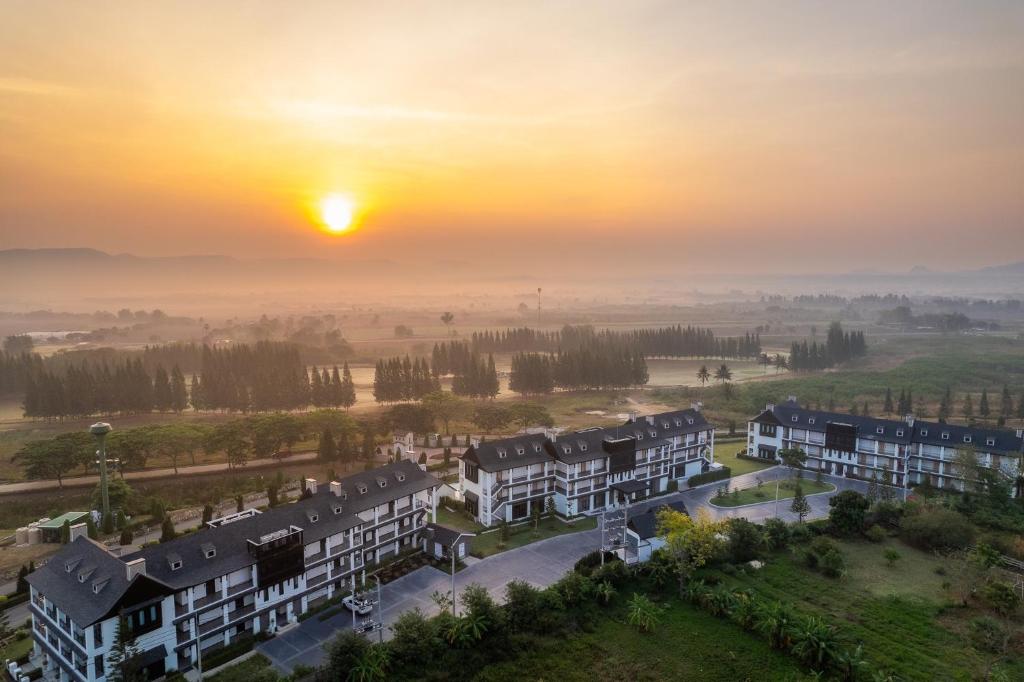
(100, 430)
(455, 544)
(380, 629)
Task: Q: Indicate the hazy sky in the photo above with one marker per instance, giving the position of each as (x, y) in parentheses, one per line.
(747, 136)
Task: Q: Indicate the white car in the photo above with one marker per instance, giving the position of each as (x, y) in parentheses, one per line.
(360, 606)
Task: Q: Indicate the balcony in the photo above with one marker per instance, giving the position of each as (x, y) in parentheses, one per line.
(243, 611)
(210, 625)
(180, 609)
(79, 637)
(207, 600)
(338, 549)
(386, 516)
(241, 587)
(384, 537)
(184, 635)
(313, 558)
(520, 479)
(316, 579)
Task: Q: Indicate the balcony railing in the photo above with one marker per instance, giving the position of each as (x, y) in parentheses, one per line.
(313, 558)
(80, 638)
(242, 611)
(210, 625)
(316, 579)
(208, 599)
(339, 548)
(241, 587)
(384, 537)
(385, 516)
(184, 635)
(180, 609)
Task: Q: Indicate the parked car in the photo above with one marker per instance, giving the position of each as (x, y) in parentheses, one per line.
(360, 606)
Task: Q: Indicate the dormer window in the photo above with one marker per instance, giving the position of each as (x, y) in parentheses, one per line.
(520, 451)
(810, 420)
(967, 439)
(502, 453)
(639, 436)
(899, 432)
(879, 430)
(400, 477)
(945, 435)
(679, 422)
(362, 488)
(337, 509)
(381, 482)
(175, 565)
(209, 551)
(689, 420)
(583, 447)
(990, 441)
(794, 418)
(924, 432)
(313, 517)
(566, 449)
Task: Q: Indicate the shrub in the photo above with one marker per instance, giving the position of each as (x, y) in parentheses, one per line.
(746, 540)
(937, 528)
(710, 477)
(891, 557)
(876, 533)
(833, 564)
(987, 634)
(589, 562)
(777, 533)
(1000, 596)
(847, 512)
(886, 514)
(800, 533)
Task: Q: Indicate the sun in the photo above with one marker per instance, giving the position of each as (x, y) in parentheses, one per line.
(337, 212)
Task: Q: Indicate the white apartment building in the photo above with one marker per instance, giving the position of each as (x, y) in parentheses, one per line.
(244, 573)
(587, 471)
(900, 452)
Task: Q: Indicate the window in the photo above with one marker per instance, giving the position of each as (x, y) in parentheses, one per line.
(520, 451)
(381, 482)
(990, 441)
(810, 420)
(899, 432)
(175, 565)
(362, 488)
(794, 418)
(502, 453)
(583, 447)
(144, 620)
(97, 634)
(768, 430)
(210, 553)
(97, 664)
(924, 432)
(472, 473)
(400, 476)
(689, 420)
(519, 510)
(879, 430)
(314, 517)
(967, 438)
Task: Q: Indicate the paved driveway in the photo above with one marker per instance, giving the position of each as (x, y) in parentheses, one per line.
(541, 564)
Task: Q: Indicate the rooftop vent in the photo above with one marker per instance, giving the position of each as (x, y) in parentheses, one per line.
(209, 551)
(174, 561)
(362, 488)
(312, 516)
(400, 477)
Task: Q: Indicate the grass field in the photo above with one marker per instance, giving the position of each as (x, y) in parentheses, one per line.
(899, 614)
(487, 544)
(686, 645)
(457, 520)
(766, 493)
(725, 453)
(244, 671)
(15, 649)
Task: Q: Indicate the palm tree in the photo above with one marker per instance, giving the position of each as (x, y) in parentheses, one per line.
(849, 661)
(643, 613)
(775, 621)
(723, 373)
(447, 318)
(604, 592)
(371, 667)
(703, 375)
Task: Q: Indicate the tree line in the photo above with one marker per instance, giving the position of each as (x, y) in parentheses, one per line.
(399, 379)
(839, 347)
(668, 342)
(598, 366)
(265, 377)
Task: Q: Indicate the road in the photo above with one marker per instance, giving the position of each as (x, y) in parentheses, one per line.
(541, 564)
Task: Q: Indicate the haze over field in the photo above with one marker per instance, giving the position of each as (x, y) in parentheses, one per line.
(448, 141)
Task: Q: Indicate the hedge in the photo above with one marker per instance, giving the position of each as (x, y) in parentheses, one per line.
(710, 477)
(219, 657)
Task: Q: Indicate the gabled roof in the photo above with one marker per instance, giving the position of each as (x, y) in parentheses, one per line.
(87, 582)
(445, 535)
(674, 423)
(646, 525)
(499, 455)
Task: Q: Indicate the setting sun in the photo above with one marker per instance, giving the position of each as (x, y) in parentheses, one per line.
(337, 211)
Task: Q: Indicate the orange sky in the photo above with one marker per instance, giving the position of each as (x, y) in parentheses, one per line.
(744, 136)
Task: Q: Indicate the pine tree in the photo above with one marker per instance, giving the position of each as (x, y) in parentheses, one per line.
(179, 394)
(207, 514)
(121, 661)
(872, 493)
(984, 411)
(196, 394)
(162, 390)
(887, 408)
(22, 584)
(327, 451)
(65, 532)
(90, 528)
(801, 507)
(1006, 404)
(968, 408)
(167, 532)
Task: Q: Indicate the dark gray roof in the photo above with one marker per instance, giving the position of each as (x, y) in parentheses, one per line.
(1003, 441)
(674, 423)
(230, 539)
(445, 535)
(646, 525)
(579, 446)
(500, 455)
(92, 567)
(630, 485)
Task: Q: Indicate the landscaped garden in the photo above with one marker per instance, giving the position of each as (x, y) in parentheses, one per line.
(511, 537)
(725, 454)
(765, 492)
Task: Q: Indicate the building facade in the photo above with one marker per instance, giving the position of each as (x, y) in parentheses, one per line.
(586, 471)
(899, 452)
(244, 573)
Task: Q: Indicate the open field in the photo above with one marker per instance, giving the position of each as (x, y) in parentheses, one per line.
(899, 614)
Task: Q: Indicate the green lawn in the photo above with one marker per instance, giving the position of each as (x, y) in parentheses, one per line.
(899, 614)
(687, 645)
(16, 648)
(244, 671)
(766, 493)
(487, 544)
(725, 454)
(457, 519)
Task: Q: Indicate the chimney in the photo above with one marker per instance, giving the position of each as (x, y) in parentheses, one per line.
(791, 398)
(632, 416)
(311, 486)
(336, 488)
(78, 530)
(135, 567)
(909, 418)
(697, 406)
(769, 407)
(649, 419)
(1020, 433)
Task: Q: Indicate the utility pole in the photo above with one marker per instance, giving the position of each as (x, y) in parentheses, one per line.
(353, 577)
(100, 430)
(776, 498)
(199, 648)
(380, 605)
(538, 306)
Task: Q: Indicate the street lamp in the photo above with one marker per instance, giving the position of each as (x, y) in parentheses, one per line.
(455, 544)
(100, 430)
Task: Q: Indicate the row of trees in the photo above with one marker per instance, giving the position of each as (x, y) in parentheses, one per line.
(398, 379)
(268, 376)
(838, 348)
(670, 342)
(597, 366)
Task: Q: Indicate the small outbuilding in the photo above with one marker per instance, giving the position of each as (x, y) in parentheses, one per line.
(441, 541)
(642, 537)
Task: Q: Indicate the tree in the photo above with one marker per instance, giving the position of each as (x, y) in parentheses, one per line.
(207, 514)
(18, 344)
(814, 642)
(528, 414)
(872, 493)
(179, 394)
(491, 417)
(22, 584)
(126, 537)
(723, 373)
(327, 451)
(444, 406)
(121, 663)
(535, 516)
(447, 318)
(90, 528)
(847, 511)
(887, 405)
(780, 362)
(800, 506)
(347, 393)
(968, 408)
(794, 458)
(1006, 404)
(690, 542)
(55, 457)
(643, 613)
(703, 375)
(167, 531)
(891, 557)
